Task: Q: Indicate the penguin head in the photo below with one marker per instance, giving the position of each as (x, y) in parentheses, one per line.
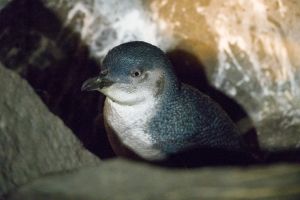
(133, 72)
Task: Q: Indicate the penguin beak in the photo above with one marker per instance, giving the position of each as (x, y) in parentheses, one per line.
(95, 83)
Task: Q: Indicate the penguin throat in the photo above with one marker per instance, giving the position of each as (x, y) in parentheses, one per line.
(127, 103)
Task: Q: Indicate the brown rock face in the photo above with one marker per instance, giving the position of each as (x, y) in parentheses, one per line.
(249, 50)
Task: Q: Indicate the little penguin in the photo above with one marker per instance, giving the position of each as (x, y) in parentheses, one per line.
(151, 115)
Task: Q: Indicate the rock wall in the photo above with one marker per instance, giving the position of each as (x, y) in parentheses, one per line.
(3, 3)
(122, 180)
(105, 24)
(249, 49)
(38, 45)
(33, 141)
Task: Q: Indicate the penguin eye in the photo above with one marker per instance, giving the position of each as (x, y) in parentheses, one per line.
(104, 72)
(136, 73)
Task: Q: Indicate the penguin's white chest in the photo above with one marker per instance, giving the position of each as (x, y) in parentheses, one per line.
(131, 123)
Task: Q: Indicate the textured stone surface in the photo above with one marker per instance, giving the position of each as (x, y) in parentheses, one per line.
(38, 45)
(249, 50)
(105, 24)
(124, 180)
(33, 141)
(3, 3)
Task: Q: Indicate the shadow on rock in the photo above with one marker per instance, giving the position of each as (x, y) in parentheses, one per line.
(54, 60)
(191, 71)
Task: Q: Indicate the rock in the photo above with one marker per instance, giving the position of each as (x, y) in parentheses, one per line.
(3, 3)
(248, 50)
(50, 55)
(120, 179)
(102, 30)
(33, 141)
